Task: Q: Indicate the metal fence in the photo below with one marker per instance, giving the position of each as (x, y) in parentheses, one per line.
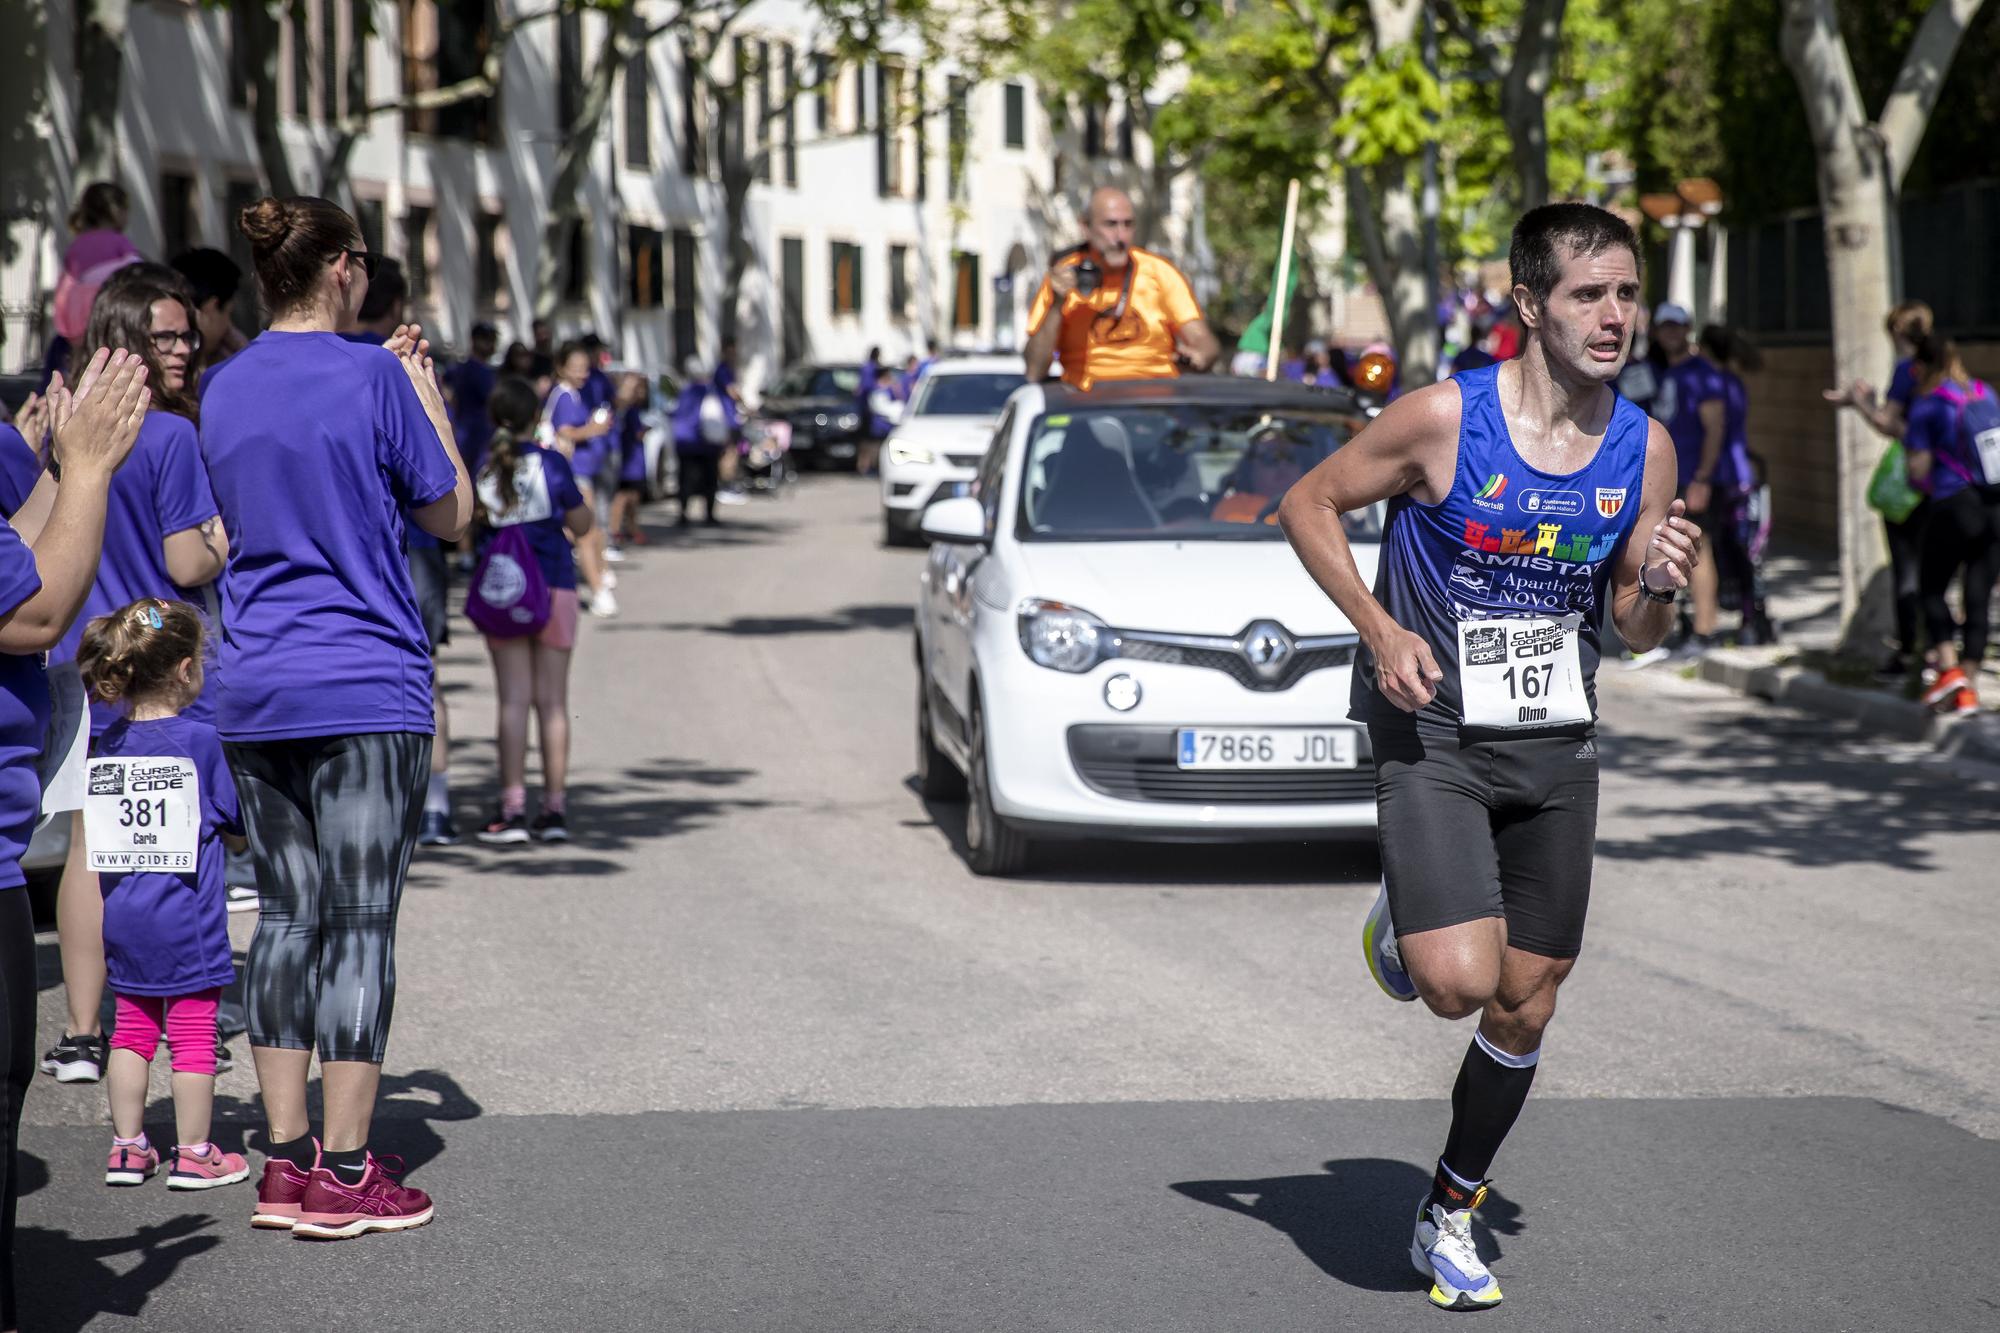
(1777, 268)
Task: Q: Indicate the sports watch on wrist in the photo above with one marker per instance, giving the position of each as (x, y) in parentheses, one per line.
(1646, 589)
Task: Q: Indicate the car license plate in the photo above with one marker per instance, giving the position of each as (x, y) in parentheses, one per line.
(1266, 747)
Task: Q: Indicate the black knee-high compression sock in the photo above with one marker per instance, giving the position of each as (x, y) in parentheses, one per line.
(1492, 1086)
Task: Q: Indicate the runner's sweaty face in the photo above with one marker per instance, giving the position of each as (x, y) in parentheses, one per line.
(1586, 324)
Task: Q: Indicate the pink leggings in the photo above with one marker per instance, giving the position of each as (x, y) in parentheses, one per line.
(189, 1021)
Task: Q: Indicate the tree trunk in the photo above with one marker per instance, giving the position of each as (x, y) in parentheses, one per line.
(259, 32)
(1524, 93)
(1392, 245)
(100, 59)
(1859, 167)
(573, 160)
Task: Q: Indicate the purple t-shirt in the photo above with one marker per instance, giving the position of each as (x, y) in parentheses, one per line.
(318, 448)
(1937, 427)
(1903, 385)
(544, 490)
(567, 410)
(1683, 389)
(1733, 471)
(168, 934)
(20, 469)
(632, 447)
(24, 716)
(162, 489)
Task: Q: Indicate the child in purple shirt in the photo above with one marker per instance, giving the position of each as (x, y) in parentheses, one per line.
(160, 805)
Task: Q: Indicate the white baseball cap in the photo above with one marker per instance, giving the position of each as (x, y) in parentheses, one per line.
(1666, 312)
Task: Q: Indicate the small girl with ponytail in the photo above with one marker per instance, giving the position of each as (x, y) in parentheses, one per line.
(160, 807)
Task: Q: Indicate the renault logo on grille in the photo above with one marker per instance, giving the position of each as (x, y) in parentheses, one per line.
(1268, 648)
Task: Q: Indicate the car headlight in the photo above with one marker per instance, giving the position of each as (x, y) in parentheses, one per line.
(1063, 638)
(847, 421)
(910, 455)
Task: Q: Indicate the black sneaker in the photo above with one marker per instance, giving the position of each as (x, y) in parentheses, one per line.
(224, 1061)
(550, 826)
(76, 1059)
(437, 830)
(505, 829)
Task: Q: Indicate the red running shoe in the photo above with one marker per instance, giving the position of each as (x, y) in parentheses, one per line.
(334, 1210)
(279, 1194)
(1943, 691)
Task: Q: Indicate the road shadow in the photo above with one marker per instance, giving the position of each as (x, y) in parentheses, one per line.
(1337, 859)
(887, 616)
(733, 529)
(1769, 788)
(76, 1281)
(1353, 1222)
(648, 801)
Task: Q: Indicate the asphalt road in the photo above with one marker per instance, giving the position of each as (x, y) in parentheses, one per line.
(757, 1052)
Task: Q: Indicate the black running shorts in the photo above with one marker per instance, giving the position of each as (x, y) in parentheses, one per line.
(1475, 829)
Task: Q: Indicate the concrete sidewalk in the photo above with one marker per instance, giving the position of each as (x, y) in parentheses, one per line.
(1805, 669)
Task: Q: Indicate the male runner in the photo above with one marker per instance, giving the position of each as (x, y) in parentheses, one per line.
(1514, 495)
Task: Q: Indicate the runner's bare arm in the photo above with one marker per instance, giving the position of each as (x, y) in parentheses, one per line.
(448, 517)
(196, 555)
(1411, 449)
(1670, 549)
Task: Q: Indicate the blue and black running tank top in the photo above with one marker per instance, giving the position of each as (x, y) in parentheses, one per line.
(1508, 540)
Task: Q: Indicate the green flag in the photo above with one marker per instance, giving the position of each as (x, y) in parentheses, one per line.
(1257, 336)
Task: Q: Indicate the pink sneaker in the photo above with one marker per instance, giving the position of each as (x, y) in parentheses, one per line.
(206, 1168)
(278, 1195)
(334, 1210)
(131, 1166)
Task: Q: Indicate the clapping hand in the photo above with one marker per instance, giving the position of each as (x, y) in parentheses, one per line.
(96, 426)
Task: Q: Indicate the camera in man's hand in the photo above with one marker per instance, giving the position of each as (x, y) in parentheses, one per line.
(1089, 277)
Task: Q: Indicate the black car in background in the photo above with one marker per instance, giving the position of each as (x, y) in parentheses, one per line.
(818, 399)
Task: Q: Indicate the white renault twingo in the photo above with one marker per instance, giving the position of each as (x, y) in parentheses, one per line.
(1114, 639)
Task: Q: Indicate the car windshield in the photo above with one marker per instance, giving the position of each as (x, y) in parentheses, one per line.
(1174, 473)
(966, 395)
(835, 382)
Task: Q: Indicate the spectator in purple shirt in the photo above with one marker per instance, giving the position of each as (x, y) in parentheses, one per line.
(162, 539)
(321, 452)
(1692, 401)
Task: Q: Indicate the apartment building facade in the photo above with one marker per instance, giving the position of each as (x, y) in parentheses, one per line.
(895, 203)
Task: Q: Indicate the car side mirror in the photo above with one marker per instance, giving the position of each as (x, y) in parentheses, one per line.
(960, 520)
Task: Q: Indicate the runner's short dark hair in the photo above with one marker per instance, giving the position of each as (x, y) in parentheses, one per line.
(213, 275)
(1535, 258)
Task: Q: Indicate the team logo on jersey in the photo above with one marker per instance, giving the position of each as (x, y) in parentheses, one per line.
(1488, 496)
(1610, 499)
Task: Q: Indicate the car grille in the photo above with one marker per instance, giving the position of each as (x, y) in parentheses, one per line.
(1137, 764)
(1231, 661)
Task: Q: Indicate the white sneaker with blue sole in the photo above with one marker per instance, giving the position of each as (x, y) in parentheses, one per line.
(1443, 1251)
(1378, 946)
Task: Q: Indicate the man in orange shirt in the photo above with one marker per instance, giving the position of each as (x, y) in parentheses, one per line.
(1140, 322)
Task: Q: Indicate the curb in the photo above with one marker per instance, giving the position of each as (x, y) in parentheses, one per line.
(1976, 737)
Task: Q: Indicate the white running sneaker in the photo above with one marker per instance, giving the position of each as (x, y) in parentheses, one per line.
(604, 605)
(242, 897)
(1378, 946)
(610, 579)
(1442, 1250)
(615, 555)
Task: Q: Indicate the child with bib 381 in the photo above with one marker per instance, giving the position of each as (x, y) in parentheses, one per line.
(159, 805)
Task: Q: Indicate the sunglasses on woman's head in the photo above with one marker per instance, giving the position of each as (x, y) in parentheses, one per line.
(367, 259)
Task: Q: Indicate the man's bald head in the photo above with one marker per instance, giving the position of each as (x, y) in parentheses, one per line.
(1108, 225)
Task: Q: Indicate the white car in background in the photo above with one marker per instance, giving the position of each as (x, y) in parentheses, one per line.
(934, 451)
(1113, 638)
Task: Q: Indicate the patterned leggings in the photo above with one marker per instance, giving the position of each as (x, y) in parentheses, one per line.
(331, 822)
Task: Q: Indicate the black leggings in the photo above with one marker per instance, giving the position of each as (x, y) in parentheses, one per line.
(17, 1069)
(1906, 552)
(698, 476)
(331, 821)
(1963, 534)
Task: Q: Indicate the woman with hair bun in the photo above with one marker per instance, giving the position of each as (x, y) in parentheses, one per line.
(162, 539)
(321, 452)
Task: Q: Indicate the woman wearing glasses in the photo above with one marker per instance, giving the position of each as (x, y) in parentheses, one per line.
(161, 539)
(322, 452)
